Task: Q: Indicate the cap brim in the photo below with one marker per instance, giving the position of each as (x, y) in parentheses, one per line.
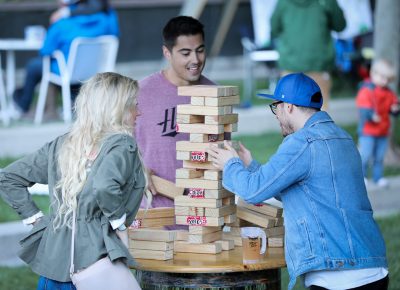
(266, 96)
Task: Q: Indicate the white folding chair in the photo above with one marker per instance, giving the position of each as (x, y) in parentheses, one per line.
(87, 56)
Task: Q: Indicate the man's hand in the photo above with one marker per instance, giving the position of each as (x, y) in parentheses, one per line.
(245, 154)
(220, 156)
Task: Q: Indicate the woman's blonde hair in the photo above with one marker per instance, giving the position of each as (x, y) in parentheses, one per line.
(103, 107)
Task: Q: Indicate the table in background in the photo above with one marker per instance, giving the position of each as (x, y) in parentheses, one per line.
(204, 271)
(10, 46)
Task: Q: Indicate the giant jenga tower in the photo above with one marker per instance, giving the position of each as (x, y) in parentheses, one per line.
(208, 205)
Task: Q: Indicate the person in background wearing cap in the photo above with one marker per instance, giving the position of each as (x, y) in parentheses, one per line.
(331, 238)
(78, 7)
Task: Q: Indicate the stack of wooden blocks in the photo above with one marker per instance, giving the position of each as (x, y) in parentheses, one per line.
(207, 206)
(264, 215)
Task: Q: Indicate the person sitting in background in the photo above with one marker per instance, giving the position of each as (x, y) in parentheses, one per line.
(376, 102)
(59, 37)
(78, 7)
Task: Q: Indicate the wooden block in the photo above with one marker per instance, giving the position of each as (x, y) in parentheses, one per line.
(205, 138)
(228, 200)
(231, 127)
(276, 242)
(203, 110)
(188, 173)
(212, 174)
(224, 119)
(221, 101)
(279, 222)
(207, 91)
(194, 230)
(236, 239)
(226, 245)
(205, 238)
(191, 146)
(264, 208)
(151, 245)
(235, 231)
(165, 187)
(275, 231)
(217, 193)
(197, 202)
(220, 211)
(190, 119)
(186, 247)
(200, 128)
(189, 210)
(198, 165)
(156, 222)
(227, 109)
(159, 212)
(152, 235)
(182, 155)
(200, 183)
(199, 221)
(209, 193)
(255, 217)
(152, 255)
(197, 101)
(240, 223)
(229, 218)
(181, 235)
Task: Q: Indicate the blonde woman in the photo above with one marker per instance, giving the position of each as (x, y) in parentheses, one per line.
(95, 170)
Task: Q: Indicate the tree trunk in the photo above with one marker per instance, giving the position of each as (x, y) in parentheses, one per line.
(387, 46)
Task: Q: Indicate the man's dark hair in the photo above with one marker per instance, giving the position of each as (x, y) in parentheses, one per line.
(180, 25)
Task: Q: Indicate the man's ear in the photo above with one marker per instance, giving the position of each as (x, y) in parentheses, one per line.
(166, 53)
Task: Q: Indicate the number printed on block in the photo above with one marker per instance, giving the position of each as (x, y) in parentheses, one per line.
(196, 192)
(196, 221)
(198, 156)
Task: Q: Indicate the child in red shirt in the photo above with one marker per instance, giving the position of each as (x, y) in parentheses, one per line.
(376, 102)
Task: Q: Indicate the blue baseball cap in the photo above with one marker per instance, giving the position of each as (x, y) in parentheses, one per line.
(297, 89)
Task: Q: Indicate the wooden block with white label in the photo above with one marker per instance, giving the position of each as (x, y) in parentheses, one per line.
(165, 187)
(199, 221)
(186, 247)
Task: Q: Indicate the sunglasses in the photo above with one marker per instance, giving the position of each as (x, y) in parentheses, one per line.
(274, 106)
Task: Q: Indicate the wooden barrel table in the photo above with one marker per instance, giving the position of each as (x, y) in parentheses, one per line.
(205, 271)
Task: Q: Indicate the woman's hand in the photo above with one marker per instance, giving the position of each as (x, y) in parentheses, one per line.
(123, 236)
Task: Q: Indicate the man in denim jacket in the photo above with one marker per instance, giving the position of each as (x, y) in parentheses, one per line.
(331, 238)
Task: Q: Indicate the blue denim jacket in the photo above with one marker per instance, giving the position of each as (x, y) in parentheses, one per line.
(317, 175)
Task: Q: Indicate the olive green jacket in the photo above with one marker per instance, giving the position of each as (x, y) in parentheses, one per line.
(114, 186)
